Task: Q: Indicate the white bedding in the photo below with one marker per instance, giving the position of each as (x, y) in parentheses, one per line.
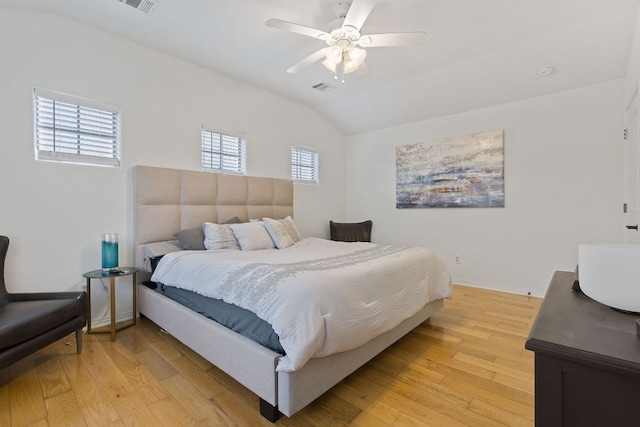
(321, 297)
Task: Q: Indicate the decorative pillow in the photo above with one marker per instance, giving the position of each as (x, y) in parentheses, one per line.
(279, 233)
(252, 235)
(351, 231)
(219, 236)
(191, 239)
(156, 250)
(234, 220)
(291, 228)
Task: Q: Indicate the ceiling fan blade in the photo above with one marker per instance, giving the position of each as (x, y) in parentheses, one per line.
(358, 13)
(297, 28)
(393, 39)
(315, 56)
(362, 72)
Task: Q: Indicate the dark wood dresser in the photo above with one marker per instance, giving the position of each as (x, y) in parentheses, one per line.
(587, 361)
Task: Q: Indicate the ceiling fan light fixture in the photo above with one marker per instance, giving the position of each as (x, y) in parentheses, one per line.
(350, 61)
(330, 66)
(333, 55)
(349, 65)
(356, 56)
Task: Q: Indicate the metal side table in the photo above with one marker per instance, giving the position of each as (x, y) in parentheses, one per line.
(112, 276)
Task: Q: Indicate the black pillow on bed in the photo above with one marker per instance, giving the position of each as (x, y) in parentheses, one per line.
(192, 239)
(351, 231)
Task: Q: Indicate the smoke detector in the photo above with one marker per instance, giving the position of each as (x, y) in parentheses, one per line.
(145, 6)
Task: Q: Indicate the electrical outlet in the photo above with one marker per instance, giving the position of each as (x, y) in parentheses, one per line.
(458, 260)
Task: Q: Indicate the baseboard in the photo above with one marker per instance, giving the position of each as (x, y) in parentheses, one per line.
(120, 317)
(494, 287)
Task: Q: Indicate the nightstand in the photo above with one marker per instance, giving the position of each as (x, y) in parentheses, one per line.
(112, 276)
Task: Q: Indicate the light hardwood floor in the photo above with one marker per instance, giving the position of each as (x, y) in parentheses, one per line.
(466, 366)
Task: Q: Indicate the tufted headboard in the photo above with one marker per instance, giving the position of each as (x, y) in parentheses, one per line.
(169, 200)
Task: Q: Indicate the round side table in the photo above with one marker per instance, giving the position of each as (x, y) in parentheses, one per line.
(112, 276)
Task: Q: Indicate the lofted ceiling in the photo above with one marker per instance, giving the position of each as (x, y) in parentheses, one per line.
(478, 52)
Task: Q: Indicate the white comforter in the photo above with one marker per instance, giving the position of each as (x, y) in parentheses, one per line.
(321, 297)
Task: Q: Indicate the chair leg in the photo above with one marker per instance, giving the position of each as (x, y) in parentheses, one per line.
(79, 340)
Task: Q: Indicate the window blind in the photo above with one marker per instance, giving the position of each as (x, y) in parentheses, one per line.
(76, 130)
(304, 165)
(221, 152)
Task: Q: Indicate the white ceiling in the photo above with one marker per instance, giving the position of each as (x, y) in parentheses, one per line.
(478, 52)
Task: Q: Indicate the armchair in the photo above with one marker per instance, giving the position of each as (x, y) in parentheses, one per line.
(30, 321)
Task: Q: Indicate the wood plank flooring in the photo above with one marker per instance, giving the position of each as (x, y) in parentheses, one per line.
(466, 366)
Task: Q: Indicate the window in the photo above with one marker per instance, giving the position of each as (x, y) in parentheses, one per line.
(304, 165)
(223, 153)
(76, 130)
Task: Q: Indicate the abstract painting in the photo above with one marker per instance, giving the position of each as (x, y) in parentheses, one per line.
(462, 171)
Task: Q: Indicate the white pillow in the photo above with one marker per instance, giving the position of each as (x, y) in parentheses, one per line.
(252, 235)
(279, 233)
(219, 236)
(291, 227)
(156, 249)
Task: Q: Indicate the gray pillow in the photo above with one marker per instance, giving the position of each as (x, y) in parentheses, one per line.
(192, 239)
(234, 220)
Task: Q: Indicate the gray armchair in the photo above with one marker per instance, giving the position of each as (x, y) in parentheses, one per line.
(30, 321)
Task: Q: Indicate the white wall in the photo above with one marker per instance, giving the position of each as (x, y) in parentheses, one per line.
(563, 176)
(54, 213)
(633, 68)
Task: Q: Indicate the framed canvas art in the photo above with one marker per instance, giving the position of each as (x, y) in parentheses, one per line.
(462, 171)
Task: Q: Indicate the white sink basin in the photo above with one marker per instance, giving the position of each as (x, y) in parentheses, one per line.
(610, 274)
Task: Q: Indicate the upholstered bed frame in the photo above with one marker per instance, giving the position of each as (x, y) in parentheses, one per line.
(170, 200)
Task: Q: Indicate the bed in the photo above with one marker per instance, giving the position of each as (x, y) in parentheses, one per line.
(167, 201)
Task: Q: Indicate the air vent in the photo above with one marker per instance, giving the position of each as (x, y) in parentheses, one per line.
(144, 6)
(322, 87)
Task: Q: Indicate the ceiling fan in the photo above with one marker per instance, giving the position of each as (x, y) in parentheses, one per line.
(345, 52)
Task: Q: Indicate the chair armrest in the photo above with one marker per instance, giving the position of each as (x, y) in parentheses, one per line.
(80, 296)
